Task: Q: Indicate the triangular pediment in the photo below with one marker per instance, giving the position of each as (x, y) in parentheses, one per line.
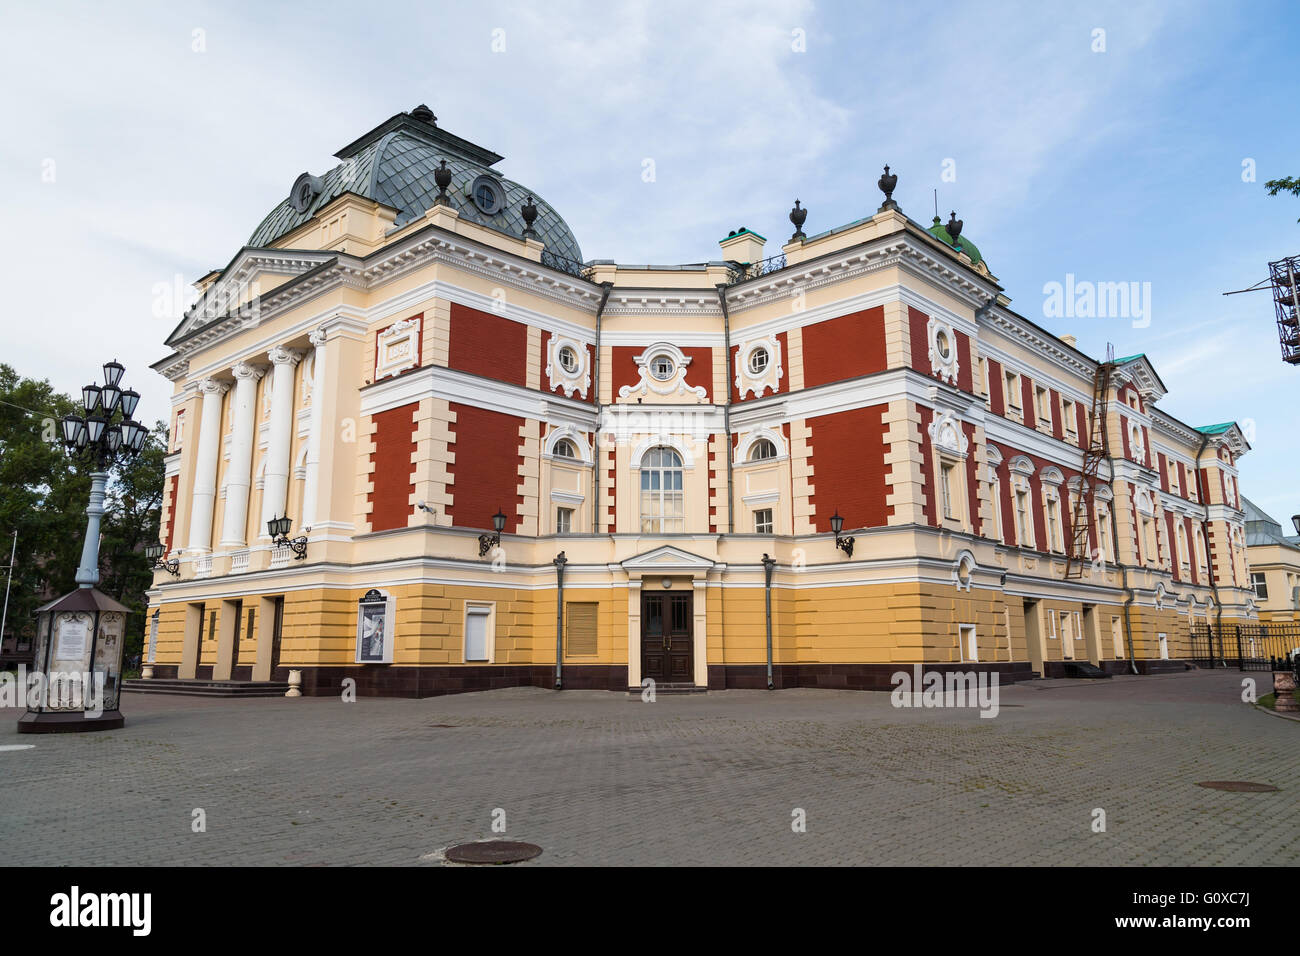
(667, 558)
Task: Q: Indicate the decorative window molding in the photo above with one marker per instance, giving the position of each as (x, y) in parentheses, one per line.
(682, 448)
(943, 349)
(397, 348)
(747, 443)
(567, 433)
(570, 381)
(1051, 475)
(948, 436)
(674, 384)
(963, 570)
(768, 376)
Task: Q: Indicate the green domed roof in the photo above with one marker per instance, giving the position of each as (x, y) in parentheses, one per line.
(965, 245)
(394, 164)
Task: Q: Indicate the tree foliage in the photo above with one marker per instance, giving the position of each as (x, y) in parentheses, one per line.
(43, 497)
(1288, 184)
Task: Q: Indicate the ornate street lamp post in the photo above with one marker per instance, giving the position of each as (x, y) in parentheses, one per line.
(81, 635)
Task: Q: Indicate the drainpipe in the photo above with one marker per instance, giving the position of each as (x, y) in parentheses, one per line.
(1123, 568)
(769, 565)
(559, 561)
(726, 416)
(605, 288)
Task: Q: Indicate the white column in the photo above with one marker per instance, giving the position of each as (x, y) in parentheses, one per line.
(275, 490)
(311, 487)
(243, 407)
(205, 466)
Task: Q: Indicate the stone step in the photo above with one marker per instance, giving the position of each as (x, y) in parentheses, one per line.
(206, 688)
(671, 689)
(1085, 670)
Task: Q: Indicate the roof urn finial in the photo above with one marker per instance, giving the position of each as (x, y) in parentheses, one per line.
(886, 184)
(954, 228)
(442, 176)
(529, 212)
(797, 216)
(424, 115)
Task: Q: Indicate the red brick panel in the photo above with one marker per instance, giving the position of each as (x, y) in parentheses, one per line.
(844, 347)
(1164, 472)
(393, 471)
(699, 373)
(1027, 404)
(488, 345)
(996, 401)
(173, 489)
(848, 463)
(965, 363)
(1058, 427)
(485, 475)
(927, 470)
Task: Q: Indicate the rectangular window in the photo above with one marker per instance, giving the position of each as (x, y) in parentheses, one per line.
(763, 521)
(212, 626)
(564, 521)
(1043, 399)
(1013, 390)
(1051, 625)
(1071, 418)
(1260, 585)
(580, 628)
(946, 487)
(1054, 524)
(1023, 538)
(969, 647)
(478, 632)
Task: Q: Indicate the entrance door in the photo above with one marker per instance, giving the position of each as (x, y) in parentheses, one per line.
(667, 637)
(275, 636)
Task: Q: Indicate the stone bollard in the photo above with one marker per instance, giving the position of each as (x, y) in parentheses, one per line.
(147, 672)
(295, 684)
(1284, 692)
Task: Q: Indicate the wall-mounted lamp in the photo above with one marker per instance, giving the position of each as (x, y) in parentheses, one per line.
(1295, 520)
(486, 542)
(837, 524)
(279, 530)
(155, 552)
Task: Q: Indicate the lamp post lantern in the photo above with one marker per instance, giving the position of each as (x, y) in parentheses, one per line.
(80, 636)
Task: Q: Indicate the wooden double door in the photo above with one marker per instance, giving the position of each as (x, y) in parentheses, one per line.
(668, 637)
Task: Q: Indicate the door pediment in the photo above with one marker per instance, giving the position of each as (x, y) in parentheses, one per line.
(667, 558)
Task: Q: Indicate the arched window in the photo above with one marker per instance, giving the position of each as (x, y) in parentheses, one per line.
(762, 449)
(662, 502)
(564, 448)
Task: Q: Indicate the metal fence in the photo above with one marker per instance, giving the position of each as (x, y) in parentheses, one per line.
(1247, 647)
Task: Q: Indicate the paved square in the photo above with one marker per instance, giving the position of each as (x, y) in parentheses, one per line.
(601, 778)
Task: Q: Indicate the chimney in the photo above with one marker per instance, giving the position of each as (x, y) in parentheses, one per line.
(1069, 340)
(742, 246)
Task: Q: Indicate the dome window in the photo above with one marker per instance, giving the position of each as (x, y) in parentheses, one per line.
(305, 190)
(488, 195)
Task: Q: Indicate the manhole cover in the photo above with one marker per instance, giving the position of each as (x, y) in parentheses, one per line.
(493, 851)
(442, 725)
(1238, 786)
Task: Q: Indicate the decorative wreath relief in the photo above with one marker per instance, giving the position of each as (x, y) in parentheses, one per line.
(758, 366)
(397, 348)
(943, 349)
(663, 372)
(947, 435)
(567, 366)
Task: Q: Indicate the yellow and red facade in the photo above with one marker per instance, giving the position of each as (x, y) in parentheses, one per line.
(391, 382)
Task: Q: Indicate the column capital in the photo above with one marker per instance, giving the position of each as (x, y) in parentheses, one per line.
(212, 386)
(244, 371)
(283, 356)
(317, 338)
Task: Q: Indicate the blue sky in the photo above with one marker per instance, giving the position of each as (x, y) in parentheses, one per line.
(138, 153)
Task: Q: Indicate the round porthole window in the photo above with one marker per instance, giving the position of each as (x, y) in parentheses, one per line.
(758, 360)
(568, 359)
(944, 344)
(662, 367)
(487, 194)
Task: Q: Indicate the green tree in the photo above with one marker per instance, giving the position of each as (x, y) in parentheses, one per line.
(1288, 184)
(43, 496)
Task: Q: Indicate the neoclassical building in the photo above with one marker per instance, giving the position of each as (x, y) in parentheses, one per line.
(411, 347)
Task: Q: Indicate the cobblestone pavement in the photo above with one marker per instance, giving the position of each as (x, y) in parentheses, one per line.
(602, 778)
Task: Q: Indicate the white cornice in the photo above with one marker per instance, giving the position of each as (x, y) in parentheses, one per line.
(463, 388)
